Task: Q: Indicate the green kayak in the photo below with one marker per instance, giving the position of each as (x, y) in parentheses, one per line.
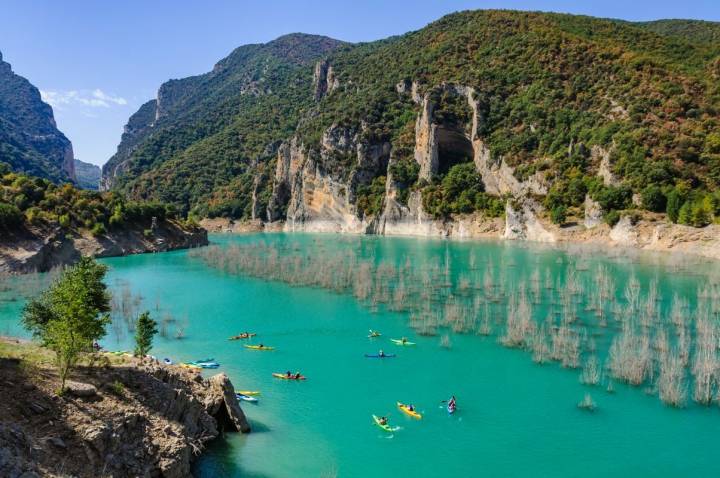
(385, 427)
(400, 342)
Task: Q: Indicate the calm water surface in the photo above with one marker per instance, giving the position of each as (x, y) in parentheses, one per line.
(515, 418)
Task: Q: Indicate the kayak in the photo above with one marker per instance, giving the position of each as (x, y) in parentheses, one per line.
(257, 347)
(167, 361)
(241, 336)
(400, 342)
(380, 356)
(246, 398)
(285, 377)
(247, 392)
(385, 427)
(205, 364)
(374, 333)
(407, 411)
(251, 393)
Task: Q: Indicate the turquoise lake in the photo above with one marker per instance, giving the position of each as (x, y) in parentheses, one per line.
(515, 418)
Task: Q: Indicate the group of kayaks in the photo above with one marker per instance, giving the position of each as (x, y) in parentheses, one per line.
(407, 409)
(410, 411)
(262, 347)
(381, 355)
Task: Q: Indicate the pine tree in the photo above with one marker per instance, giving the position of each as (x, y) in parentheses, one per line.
(145, 330)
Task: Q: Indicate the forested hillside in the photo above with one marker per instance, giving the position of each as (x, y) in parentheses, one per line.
(625, 114)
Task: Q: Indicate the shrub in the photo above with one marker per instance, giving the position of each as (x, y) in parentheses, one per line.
(611, 218)
(10, 216)
(558, 215)
(64, 221)
(98, 229)
(653, 199)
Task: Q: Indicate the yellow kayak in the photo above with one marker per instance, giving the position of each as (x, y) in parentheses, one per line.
(407, 410)
(257, 347)
(248, 392)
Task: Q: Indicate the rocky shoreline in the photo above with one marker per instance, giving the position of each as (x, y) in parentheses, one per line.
(39, 250)
(649, 234)
(120, 417)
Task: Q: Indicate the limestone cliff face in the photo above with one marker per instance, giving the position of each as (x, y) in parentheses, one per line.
(310, 198)
(29, 139)
(138, 127)
(310, 195)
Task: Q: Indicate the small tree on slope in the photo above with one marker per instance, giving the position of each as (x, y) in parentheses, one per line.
(72, 314)
(145, 330)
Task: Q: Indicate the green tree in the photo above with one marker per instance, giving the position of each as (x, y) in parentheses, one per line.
(72, 314)
(674, 204)
(558, 215)
(653, 199)
(145, 330)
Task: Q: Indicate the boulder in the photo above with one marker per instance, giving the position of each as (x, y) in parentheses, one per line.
(80, 389)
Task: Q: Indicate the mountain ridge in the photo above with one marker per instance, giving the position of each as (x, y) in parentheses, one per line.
(574, 108)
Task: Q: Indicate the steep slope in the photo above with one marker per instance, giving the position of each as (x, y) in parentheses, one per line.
(87, 175)
(29, 139)
(531, 116)
(207, 131)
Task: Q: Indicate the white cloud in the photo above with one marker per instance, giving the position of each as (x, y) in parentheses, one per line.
(102, 96)
(96, 98)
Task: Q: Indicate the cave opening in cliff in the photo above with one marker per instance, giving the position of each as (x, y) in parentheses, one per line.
(454, 147)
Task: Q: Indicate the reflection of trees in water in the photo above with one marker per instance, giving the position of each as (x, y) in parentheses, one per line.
(579, 311)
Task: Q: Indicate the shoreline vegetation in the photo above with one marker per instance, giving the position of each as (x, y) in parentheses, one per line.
(607, 329)
(45, 225)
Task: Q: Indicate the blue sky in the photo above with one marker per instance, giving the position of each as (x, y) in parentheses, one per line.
(97, 61)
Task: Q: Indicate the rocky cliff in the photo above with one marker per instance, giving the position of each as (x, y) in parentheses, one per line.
(87, 175)
(29, 139)
(39, 249)
(120, 417)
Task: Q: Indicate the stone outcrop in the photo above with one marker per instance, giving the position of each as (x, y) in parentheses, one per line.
(324, 79)
(143, 419)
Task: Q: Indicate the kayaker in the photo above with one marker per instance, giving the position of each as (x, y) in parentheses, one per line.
(297, 376)
(404, 340)
(452, 403)
(261, 346)
(381, 354)
(288, 374)
(383, 421)
(411, 408)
